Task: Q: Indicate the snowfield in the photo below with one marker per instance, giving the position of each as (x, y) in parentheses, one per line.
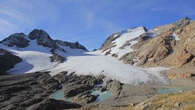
(111, 67)
(35, 58)
(96, 64)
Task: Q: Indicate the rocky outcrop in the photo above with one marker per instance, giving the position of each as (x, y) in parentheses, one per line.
(75, 45)
(181, 73)
(109, 41)
(57, 58)
(176, 101)
(18, 39)
(115, 87)
(125, 94)
(22, 91)
(117, 44)
(78, 87)
(42, 38)
(84, 98)
(52, 104)
(170, 45)
(7, 61)
(75, 85)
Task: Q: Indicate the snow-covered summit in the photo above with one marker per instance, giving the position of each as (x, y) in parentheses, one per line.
(17, 39)
(42, 38)
(38, 50)
(119, 44)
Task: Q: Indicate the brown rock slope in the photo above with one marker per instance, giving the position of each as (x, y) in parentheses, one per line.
(174, 46)
(176, 101)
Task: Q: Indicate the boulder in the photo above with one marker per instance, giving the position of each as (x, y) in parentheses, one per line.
(114, 87)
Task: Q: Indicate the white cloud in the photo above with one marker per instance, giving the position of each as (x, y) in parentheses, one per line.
(7, 27)
(20, 15)
(90, 18)
(16, 15)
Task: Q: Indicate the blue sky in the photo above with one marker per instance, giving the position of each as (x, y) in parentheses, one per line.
(88, 21)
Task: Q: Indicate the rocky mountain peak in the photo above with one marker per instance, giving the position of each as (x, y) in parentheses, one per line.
(37, 33)
(182, 22)
(134, 29)
(42, 38)
(17, 39)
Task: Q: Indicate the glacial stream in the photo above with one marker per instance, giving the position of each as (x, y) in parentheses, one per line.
(59, 95)
(172, 90)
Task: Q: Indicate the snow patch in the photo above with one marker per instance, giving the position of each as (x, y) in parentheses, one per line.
(175, 36)
(126, 37)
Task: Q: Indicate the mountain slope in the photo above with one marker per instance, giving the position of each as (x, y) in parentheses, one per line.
(118, 44)
(172, 47)
(38, 50)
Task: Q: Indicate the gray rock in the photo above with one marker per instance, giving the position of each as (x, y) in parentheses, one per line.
(75, 45)
(18, 92)
(78, 87)
(42, 38)
(182, 22)
(7, 61)
(57, 58)
(108, 43)
(17, 39)
(115, 87)
(74, 89)
(52, 104)
(84, 98)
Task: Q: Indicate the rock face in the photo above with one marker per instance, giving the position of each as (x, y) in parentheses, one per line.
(115, 87)
(108, 43)
(75, 45)
(51, 104)
(176, 101)
(119, 44)
(42, 38)
(22, 91)
(57, 58)
(126, 94)
(18, 39)
(78, 87)
(84, 98)
(7, 61)
(169, 45)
